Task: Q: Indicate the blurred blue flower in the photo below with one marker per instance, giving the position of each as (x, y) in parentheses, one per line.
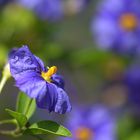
(4, 2)
(132, 81)
(37, 82)
(51, 10)
(91, 123)
(117, 25)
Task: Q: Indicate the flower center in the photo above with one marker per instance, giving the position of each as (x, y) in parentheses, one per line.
(128, 21)
(47, 75)
(83, 133)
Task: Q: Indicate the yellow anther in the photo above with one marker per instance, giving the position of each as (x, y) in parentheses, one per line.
(128, 21)
(47, 75)
(83, 133)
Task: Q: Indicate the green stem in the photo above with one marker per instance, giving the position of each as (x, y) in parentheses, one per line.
(12, 121)
(13, 133)
(10, 133)
(2, 83)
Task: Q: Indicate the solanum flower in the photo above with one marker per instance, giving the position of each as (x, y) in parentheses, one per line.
(132, 82)
(3, 3)
(116, 26)
(51, 10)
(37, 81)
(91, 123)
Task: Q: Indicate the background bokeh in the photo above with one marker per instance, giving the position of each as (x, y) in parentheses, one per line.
(61, 33)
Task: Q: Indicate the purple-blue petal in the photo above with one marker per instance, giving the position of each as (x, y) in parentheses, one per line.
(132, 81)
(40, 62)
(98, 119)
(22, 60)
(58, 80)
(4, 2)
(31, 83)
(63, 104)
(47, 100)
(54, 99)
(51, 10)
(107, 31)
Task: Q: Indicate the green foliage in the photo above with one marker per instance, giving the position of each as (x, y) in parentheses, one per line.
(135, 135)
(3, 54)
(125, 128)
(25, 105)
(128, 128)
(42, 127)
(92, 57)
(46, 127)
(24, 110)
(21, 119)
(18, 24)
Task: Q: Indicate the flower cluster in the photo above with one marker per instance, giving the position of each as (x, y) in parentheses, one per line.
(132, 82)
(37, 81)
(3, 3)
(51, 10)
(117, 25)
(91, 123)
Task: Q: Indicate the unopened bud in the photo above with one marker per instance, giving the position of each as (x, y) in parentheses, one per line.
(5, 76)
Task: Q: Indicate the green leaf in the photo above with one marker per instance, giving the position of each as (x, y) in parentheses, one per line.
(135, 135)
(46, 127)
(21, 119)
(25, 105)
(125, 127)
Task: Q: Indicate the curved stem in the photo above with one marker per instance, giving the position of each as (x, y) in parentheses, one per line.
(5, 75)
(13, 133)
(2, 82)
(12, 121)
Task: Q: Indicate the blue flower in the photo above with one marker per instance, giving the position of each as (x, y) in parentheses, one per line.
(38, 82)
(117, 26)
(51, 10)
(3, 3)
(91, 123)
(132, 82)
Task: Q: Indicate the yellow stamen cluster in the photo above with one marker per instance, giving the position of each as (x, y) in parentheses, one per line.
(47, 75)
(128, 21)
(83, 133)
